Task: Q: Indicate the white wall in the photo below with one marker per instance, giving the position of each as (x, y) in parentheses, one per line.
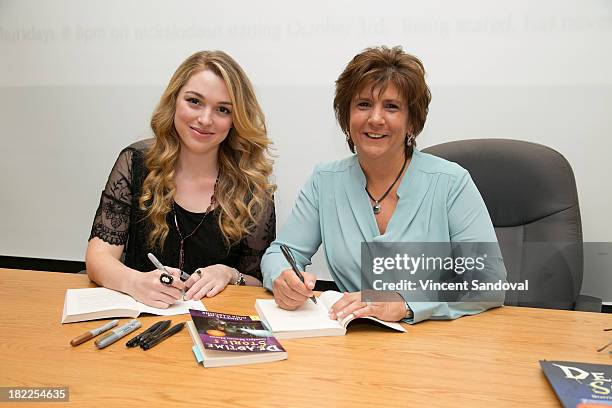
(79, 79)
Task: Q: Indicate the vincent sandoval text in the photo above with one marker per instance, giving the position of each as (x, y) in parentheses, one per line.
(429, 284)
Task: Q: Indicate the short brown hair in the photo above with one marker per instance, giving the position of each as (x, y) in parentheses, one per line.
(379, 66)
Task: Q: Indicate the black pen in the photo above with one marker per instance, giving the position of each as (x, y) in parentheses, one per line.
(164, 324)
(289, 257)
(133, 342)
(171, 331)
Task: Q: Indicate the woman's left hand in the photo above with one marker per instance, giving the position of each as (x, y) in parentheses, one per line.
(209, 282)
(350, 303)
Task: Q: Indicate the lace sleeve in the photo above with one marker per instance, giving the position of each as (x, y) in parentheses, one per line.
(112, 218)
(256, 243)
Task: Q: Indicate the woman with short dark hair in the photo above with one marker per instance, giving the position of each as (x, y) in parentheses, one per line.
(388, 191)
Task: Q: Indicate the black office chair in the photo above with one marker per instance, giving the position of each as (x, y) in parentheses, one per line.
(530, 192)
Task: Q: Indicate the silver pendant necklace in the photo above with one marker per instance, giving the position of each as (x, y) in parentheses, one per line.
(376, 207)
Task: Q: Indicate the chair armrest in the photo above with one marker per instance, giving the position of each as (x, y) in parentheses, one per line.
(586, 303)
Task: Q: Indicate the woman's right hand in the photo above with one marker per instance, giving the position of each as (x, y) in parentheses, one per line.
(148, 289)
(289, 292)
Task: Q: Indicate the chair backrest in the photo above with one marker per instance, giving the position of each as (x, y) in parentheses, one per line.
(530, 192)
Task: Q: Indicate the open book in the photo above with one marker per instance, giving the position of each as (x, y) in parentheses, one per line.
(224, 340)
(103, 303)
(309, 320)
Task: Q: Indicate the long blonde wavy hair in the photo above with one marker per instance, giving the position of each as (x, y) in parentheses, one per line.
(243, 190)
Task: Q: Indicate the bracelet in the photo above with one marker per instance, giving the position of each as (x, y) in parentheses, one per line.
(240, 281)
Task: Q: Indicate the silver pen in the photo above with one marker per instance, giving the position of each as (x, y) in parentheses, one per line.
(157, 264)
(161, 267)
(118, 333)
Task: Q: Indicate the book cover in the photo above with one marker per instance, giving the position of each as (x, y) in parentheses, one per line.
(242, 334)
(225, 339)
(580, 385)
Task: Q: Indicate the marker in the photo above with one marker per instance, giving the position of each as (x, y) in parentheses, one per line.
(151, 331)
(156, 340)
(88, 335)
(118, 333)
(157, 264)
(161, 267)
(158, 331)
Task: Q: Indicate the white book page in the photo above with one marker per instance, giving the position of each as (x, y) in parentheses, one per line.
(328, 298)
(79, 301)
(180, 307)
(307, 317)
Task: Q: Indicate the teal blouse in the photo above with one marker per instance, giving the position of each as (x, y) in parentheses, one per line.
(438, 202)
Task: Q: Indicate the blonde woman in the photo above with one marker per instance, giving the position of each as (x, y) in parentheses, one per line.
(197, 195)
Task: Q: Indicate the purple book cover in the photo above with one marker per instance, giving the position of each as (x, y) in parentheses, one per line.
(225, 332)
(580, 384)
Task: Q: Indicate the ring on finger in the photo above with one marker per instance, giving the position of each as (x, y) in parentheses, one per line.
(166, 279)
(368, 303)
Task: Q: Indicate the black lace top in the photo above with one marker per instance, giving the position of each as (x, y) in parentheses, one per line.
(119, 221)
